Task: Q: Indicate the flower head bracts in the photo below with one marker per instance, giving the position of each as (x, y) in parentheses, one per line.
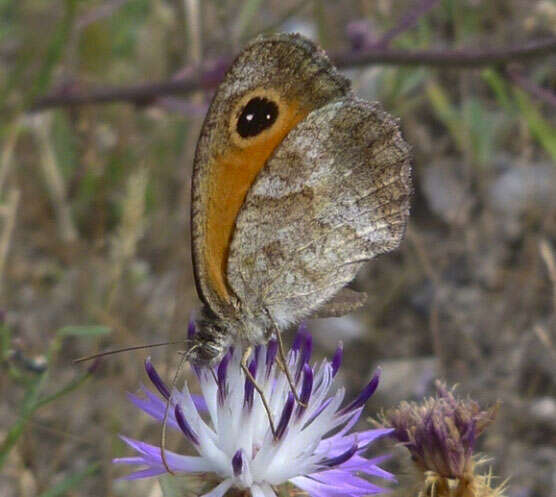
(440, 433)
(228, 427)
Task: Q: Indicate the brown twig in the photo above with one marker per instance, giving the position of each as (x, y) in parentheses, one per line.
(459, 58)
(146, 93)
(530, 87)
(142, 94)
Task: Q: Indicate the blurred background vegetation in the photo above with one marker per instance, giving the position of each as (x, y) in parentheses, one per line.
(94, 220)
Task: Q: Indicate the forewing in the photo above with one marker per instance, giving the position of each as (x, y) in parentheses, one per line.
(296, 77)
(334, 194)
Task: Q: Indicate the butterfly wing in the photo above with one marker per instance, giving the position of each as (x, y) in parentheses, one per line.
(291, 77)
(343, 302)
(334, 194)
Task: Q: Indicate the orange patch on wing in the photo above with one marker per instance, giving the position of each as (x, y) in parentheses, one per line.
(233, 174)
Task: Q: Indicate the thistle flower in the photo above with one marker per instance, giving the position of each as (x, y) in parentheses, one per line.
(440, 434)
(311, 449)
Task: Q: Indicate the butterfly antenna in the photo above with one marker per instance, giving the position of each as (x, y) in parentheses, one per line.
(125, 349)
(167, 408)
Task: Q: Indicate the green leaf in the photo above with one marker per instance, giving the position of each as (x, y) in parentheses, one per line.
(540, 128)
(28, 408)
(83, 331)
(67, 388)
(5, 342)
(449, 115)
(482, 127)
(411, 80)
(70, 481)
(32, 401)
(55, 51)
(65, 144)
(500, 88)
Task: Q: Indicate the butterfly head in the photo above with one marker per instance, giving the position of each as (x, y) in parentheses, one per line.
(210, 342)
(214, 335)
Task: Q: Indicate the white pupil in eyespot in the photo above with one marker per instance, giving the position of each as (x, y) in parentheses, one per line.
(250, 117)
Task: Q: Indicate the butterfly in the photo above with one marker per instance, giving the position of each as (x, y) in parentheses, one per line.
(296, 184)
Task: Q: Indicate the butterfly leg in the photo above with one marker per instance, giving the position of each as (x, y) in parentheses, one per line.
(163, 438)
(283, 364)
(259, 390)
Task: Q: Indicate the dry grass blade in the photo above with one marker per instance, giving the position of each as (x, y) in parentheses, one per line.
(54, 179)
(130, 230)
(10, 213)
(547, 254)
(6, 159)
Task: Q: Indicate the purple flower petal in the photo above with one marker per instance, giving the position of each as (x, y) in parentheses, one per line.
(199, 402)
(249, 386)
(144, 473)
(271, 351)
(318, 489)
(184, 425)
(359, 464)
(351, 484)
(285, 417)
(237, 463)
(155, 410)
(318, 412)
(468, 437)
(362, 398)
(363, 438)
(337, 359)
(128, 460)
(340, 459)
(176, 462)
(299, 336)
(257, 353)
(221, 376)
(367, 437)
(306, 351)
(306, 389)
(156, 379)
(191, 329)
(349, 423)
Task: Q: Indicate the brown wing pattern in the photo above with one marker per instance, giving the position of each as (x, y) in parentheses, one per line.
(334, 194)
(297, 77)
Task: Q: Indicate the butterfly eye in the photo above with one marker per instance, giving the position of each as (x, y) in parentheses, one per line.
(258, 115)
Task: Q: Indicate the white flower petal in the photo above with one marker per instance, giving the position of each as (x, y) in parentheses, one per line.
(267, 490)
(220, 489)
(315, 434)
(257, 491)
